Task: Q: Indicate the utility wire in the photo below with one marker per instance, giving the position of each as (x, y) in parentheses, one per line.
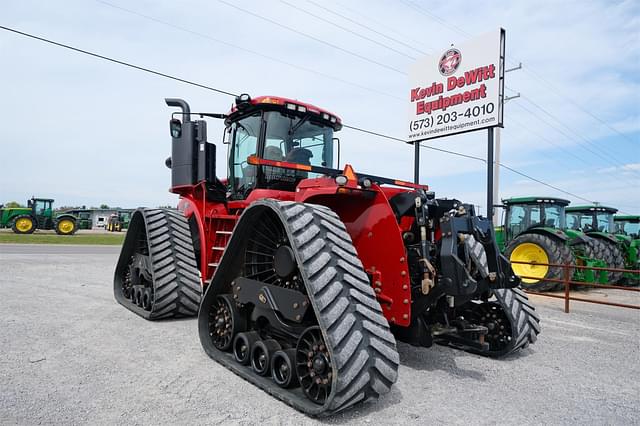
(253, 52)
(347, 29)
(116, 61)
(224, 92)
(360, 24)
(309, 36)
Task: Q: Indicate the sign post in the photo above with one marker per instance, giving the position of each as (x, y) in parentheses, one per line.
(458, 91)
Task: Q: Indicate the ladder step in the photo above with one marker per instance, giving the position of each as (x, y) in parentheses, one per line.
(217, 248)
(224, 232)
(215, 265)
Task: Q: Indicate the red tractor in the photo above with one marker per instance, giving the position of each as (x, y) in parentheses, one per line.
(303, 275)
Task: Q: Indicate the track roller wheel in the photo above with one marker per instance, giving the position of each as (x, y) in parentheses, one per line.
(226, 321)
(146, 299)
(313, 365)
(242, 344)
(283, 370)
(261, 354)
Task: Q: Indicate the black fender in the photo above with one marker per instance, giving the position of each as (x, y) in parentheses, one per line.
(603, 236)
(549, 232)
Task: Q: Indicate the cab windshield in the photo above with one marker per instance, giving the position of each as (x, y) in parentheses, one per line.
(604, 222)
(629, 228)
(521, 217)
(287, 137)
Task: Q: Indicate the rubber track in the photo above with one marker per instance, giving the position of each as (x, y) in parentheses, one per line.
(558, 252)
(525, 322)
(176, 280)
(363, 351)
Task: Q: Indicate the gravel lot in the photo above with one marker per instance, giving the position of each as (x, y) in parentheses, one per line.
(69, 354)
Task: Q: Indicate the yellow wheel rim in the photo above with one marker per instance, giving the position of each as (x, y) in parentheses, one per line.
(529, 252)
(66, 226)
(24, 224)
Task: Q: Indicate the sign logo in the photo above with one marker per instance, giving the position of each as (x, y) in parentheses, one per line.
(449, 62)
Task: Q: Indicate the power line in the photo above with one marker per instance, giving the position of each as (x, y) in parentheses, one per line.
(309, 36)
(161, 74)
(348, 30)
(253, 52)
(117, 61)
(360, 24)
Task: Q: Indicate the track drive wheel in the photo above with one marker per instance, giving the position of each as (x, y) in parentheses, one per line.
(23, 224)
(156, 276)
(510, 318)
(66, 226)
(539, 248)
(225, 322)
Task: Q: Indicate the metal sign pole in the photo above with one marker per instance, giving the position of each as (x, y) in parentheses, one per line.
(416, 163)
(496, 174)
(490, 173)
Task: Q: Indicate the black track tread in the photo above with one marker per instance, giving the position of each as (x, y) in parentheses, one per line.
(176, 281)
(558, 253)
(525, 321)
(363, 351)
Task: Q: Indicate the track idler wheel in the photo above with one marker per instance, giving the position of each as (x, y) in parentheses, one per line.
(226, 321)
(146, 299)
(283, 370)
(242, 344)
(261, 354)
(313, 365)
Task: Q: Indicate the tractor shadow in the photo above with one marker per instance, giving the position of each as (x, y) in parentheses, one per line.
(438, 358)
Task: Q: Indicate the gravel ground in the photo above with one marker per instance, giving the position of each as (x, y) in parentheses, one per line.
(69, 355)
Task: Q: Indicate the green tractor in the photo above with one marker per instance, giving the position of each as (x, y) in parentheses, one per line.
(597, 222)
(37, 215)
(534, 231)
(628, 232)
(118, 221)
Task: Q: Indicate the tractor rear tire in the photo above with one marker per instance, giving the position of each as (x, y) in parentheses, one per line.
(594, 249)
(614, 259)
(543, 249)
(66, 227)
(157, 257)
(23, 224)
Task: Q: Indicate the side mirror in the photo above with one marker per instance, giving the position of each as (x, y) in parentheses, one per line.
(226, 139)
(336, 144)
(175, 127)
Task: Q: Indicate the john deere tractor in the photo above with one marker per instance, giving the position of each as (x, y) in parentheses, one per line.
(534, 231)
(628, 232)
(597, 222)
(37, 215)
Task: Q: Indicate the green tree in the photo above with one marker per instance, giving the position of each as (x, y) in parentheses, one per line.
(104, 206)
(12, 204)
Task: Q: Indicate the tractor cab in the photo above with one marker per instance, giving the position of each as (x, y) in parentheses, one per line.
(277, 129)
(42, 211)
(591, 218)
(525, 213)
(265, 128)
(628, 225)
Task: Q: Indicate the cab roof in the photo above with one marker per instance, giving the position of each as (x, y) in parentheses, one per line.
(591, 208)
(536, 200)
(631, 217)
(284, 104)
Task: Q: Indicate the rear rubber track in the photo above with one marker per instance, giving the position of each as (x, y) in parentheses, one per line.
(363, 351)
(175, 276)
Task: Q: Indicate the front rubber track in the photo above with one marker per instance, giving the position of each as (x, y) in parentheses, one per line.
(176, 281)
(525, 321)
(363, 351)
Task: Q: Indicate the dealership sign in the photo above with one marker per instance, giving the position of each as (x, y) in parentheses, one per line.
(459, 89)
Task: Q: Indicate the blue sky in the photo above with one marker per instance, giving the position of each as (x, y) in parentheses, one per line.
(84, 131)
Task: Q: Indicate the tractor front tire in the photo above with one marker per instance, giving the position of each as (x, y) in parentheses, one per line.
(23, 224)
(539, 248)
(66, 227)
